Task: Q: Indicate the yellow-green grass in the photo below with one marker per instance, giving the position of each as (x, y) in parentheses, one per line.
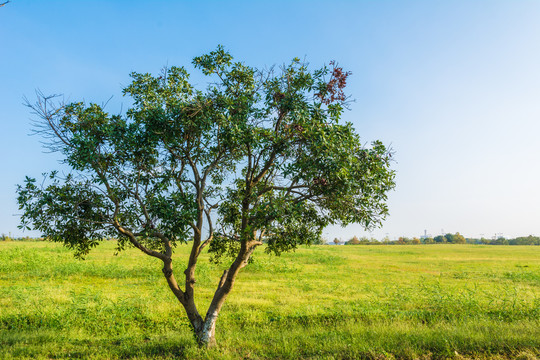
(320, 302)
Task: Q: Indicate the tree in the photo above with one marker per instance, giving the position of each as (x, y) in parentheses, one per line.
(403, 240)
(440, 239)
(353, 241)
(449, 238)
(428, 240)
(458, 239)
(259, 156)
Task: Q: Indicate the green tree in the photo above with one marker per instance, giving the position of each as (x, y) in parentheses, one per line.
(458, 239)
(449, 238)
(428, 240)
(259, 156)
(440, 239)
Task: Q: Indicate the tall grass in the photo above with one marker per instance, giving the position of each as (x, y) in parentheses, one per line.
(321, 302)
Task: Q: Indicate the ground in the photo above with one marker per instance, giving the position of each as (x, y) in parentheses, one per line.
(320, 302)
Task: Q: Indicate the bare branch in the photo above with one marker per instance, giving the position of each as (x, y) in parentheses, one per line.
(46, 110)
(290, 189)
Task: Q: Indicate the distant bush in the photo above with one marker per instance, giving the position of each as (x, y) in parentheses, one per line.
(353, 241)
(4, 237)
(456, 238)
(523, 240)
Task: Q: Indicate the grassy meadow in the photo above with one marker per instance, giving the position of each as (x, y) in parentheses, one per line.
(320, 302)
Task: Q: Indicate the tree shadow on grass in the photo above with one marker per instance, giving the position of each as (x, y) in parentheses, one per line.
(157, 349)
(54, 345)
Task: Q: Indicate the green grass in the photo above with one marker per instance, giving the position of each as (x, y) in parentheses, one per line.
(320, 302)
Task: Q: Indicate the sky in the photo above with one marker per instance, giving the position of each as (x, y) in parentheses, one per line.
(452, 86)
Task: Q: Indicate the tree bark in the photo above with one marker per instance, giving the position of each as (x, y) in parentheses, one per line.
(206, 337)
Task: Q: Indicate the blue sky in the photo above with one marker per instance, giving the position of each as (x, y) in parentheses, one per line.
(453, 86)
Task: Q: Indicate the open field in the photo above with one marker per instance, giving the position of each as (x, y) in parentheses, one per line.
(321, 302)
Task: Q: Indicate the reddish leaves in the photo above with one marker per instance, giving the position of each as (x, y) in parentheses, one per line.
(334, 87)
(320, 181)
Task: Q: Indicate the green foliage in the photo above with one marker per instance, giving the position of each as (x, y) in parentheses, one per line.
(260, 153)
(525, 240)
(47, 207)
(428, 240)
(440, 239)
(521, 240)
(456, 238)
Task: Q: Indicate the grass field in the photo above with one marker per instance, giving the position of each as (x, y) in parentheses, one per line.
(320, 302)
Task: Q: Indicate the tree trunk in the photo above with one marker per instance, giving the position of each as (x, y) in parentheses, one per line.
(206, 337)
(205, 330)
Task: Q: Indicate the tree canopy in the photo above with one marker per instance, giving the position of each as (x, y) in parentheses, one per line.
(257, 157)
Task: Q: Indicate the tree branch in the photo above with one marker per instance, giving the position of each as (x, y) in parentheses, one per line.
(210, 232)
(132, 239)
(40, 108)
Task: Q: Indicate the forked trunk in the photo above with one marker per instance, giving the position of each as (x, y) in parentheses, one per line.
(205, 330)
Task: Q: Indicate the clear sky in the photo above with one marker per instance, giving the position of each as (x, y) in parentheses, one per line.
(453, 86)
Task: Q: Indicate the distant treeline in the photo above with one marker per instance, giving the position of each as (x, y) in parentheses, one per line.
(5, 237)
(456, 238)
